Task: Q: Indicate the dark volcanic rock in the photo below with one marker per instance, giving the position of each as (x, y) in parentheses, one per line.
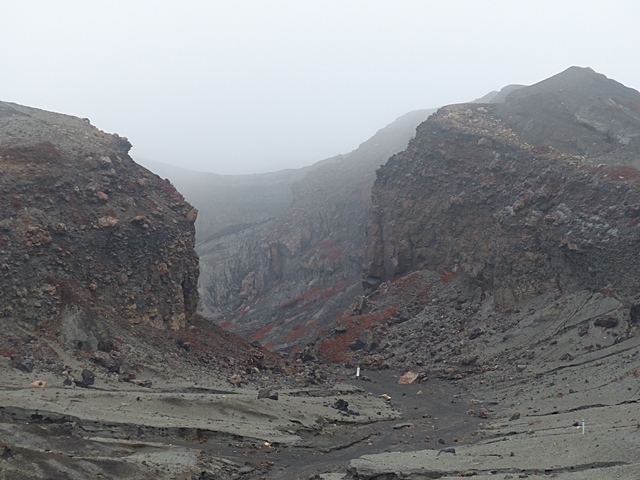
(494, 191)
(24, 364)
(608, 322)
(110, 361)
(90, 242)
(88, 379)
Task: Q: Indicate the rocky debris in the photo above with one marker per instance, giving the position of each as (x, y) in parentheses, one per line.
(409, 378)
(269, 393)
(88, 379)
(111, 361)
(366, 340)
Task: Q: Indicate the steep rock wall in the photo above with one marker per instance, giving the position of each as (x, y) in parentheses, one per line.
(470, 195)
(89, 240)
(281, 282)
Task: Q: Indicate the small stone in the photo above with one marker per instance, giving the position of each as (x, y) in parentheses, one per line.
(110, 361)
(470, 360)
(447, 450)
(235, 380)
(269, 393)
(608, 322)
(476, 333)
(399, 426)
(88, 378)
(101, 196)
(566, 357)
(106, 222)
(409, 378)
(24, 364)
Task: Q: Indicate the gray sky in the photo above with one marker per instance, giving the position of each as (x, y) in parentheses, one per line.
(252, 86)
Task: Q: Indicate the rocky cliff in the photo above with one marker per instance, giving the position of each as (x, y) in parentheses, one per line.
(282, 281)
(537, 194)
(493, 208)
(88, 235)
(502, 258)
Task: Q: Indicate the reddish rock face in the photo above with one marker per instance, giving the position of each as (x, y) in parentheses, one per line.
(90, 242)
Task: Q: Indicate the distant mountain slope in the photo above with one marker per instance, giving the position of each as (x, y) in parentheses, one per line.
(231, 201)
(580, 112)
(264, 280)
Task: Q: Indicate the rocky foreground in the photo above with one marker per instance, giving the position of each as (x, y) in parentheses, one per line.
(516, 412)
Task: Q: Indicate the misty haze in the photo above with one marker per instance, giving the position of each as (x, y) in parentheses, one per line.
(319, 240)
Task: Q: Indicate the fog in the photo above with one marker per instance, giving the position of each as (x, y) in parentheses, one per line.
(255, 86)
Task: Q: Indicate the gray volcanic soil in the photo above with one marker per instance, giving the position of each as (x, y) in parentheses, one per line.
(540, 370)
(181, 428)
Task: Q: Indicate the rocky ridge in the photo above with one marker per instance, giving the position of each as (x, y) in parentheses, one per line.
(508, 269)
(509, 221)
(470, 194)
(97, 254)
(98, 299)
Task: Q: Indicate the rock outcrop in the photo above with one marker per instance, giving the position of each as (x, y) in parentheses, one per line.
(538, 194)
(90, 242)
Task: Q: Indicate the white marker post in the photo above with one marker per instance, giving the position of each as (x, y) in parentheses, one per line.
(583, 426)
(358, 372)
